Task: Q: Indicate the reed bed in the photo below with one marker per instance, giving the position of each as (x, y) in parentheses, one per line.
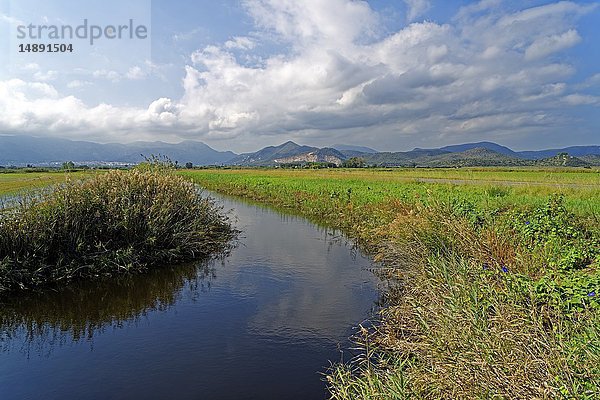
(113, 223)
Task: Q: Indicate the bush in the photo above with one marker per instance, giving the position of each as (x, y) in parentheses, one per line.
(120, 221)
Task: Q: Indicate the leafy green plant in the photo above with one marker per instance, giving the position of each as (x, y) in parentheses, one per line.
(552, 229)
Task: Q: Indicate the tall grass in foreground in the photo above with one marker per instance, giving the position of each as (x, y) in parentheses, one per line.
(118, 222)
(482, 309)
(487, 299)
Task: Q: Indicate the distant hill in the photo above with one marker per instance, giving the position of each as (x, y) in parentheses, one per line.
(18, 150)
(440, 158)
(562, 160)
(576, 151)
(591, 159)
(22, 150)
(272, 154)
(471, 158)
(458, 148)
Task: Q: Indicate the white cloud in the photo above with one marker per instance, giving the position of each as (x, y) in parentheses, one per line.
(38, 74)
(577, 99)
(593, 80)
(31, 67)
(135, 73)
(416, 8)
(185, 36)
(76, 84)
(240, 42)
(488, 70)
(333, 22)
(110, 75)
(544, 46)
(11, 20)
(548, 12)
(45, 76)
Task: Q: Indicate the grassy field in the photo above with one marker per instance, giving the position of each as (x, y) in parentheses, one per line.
(15, 182)
(493, 282)
(488, 188)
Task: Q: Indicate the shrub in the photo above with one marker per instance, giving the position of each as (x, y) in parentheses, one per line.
(120, 221)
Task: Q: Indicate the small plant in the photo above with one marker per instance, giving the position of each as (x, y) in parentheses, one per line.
(497, 191)
(554, 231)
(572, 292)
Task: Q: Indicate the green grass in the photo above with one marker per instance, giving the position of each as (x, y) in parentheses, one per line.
(368, 186)
(11, 183)
(492, 286)
(113, 223)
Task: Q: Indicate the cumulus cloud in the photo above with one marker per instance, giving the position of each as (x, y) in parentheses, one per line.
(488, 70)
(110, 75)
(240, 42)
(577, 99)
(135, 73)
(544, 46)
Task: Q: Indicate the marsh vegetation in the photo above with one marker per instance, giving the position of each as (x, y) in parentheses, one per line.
(112, 223)
(493, 289)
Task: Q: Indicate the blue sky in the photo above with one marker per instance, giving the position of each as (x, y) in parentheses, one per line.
(242, 74)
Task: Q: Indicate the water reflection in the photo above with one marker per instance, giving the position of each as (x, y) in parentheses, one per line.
(261, 323)
(81, 310)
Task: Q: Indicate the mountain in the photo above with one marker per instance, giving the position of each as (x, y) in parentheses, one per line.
(357, 149)
(576, 151)
(458, 148)
(562, 160)
(326, 155)
(19, 150)
(22, 150)
(477, 156)
(272, 155)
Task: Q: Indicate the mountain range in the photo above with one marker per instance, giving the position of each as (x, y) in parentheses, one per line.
(19, 150)
(24, 150)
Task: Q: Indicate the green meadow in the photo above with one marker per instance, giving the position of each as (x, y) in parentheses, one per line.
(492, 275)
(12, 182)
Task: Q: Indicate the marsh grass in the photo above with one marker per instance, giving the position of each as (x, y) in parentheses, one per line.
(467, 316)
(492, 291)
(116, 222)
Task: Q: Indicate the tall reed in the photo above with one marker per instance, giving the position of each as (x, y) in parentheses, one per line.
(117, 222)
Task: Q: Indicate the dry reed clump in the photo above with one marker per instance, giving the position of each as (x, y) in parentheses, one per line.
(121, 221)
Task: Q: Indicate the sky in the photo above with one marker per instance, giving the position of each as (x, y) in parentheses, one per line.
(243, 74)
